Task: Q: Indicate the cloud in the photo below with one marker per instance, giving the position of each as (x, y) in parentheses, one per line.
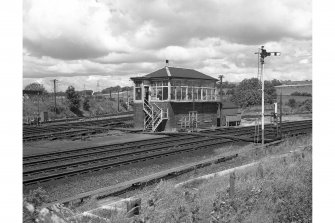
(238, 21)
(69, 29)
(120, 39)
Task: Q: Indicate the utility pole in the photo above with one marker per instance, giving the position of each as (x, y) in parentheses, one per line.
(263, 53)
(98, 86)
(110, 100)
(118, 101)
(84, 90)
(221, 98)
(54, 81)
(38, 104)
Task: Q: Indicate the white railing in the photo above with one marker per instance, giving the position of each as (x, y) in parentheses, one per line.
(148, 116)
(147, 108)
(157, 116)
(154, 116)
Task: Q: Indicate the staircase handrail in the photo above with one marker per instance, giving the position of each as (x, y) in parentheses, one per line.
(165, 114)
(157, 107)
(158, 116)
(155, 115)
(146, 107)
(147, 122)
(158, 119)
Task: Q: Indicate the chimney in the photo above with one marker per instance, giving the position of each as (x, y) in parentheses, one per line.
(166, 63)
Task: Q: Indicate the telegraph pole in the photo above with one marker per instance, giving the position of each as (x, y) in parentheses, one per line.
(220, 76)
(84, 90)
(118, 101)
(54, 81)
(263, 53)
(98, 86)
(110, 100)
(38, 104)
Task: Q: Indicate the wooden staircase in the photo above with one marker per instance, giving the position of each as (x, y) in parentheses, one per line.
(153, 116)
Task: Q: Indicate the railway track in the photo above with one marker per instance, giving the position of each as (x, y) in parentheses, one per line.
(75, 129)
(44, 167)
(75, 153)
(117, 160)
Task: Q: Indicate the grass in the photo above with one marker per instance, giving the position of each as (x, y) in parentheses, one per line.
(284, 194)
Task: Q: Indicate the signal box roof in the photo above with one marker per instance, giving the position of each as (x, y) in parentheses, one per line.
(175, 72)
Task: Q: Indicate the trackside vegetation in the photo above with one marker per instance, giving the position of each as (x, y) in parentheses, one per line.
(284, 194)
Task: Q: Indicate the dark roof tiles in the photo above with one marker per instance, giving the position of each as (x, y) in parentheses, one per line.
(178, 73)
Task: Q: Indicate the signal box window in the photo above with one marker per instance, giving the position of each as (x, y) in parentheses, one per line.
(138, 91)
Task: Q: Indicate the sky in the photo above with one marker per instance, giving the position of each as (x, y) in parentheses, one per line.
(94, 44)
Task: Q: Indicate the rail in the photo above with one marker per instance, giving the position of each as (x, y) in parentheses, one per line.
(98, 158)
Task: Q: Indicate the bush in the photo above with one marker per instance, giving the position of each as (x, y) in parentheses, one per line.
(307, 105)
(86, 104)
(292, 103)
(301, 94)
(32, 204)
(74, 100)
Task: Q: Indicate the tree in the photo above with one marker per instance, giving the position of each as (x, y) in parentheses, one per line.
(292, 103)
(35, 88)
(248, 92)
(270, 93)
(73, 98)
(307, 105)
(275, 82)
(111, 89)
(127, 88)
(86, 104)
(225, 84)
(230, 91)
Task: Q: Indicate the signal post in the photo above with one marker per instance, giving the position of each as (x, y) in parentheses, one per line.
(262, 54)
